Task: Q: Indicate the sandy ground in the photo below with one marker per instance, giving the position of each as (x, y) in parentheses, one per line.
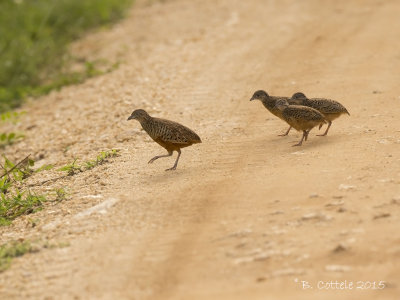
(245, 216)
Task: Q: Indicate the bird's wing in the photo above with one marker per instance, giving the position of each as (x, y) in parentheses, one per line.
(327, 106)
(177, 133)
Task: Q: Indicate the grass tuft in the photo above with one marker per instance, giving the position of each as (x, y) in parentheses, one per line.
(18, 204)
(73, 168)
(14, 249)
(13, 202)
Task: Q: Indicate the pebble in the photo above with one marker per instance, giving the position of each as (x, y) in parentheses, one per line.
(382, 215)
(51, 226)
(337, 268)
(340, 248)
(335, 203)
(346, 187)
(316, 216)
(277, 212)
(287, 272)
(100, 208)
(396, 200)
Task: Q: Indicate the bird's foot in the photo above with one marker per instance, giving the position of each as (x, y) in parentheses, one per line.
(151, 161)
(322, 134)
(171, 169)
(298, 144)
(283, 134)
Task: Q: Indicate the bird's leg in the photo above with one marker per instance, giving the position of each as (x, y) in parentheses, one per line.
(176, 162)
(301, 141)
(286, 133)
(307, 132)
(326, 131)
(159, 156)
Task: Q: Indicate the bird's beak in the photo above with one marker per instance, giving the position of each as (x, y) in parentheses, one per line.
(130, 118)
(252, 98)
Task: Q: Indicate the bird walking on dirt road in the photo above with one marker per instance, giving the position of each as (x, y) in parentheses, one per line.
(168, 134)
(331, 109)
(302, 118)
(269, 103)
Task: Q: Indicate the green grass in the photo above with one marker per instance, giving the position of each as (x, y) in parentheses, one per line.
(74, 168)
(8, 138)
(18, 204)
(13, 201)
(16, 201)
(13, 249)
(34, 36)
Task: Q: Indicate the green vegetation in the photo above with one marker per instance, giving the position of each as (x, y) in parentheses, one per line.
(17, 204)
(73, 168)
(61, 194)
(8, 138)
(101, 158)
(14, 249)
(34, 36)
(14, 202)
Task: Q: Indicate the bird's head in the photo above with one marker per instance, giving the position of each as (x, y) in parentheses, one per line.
(138, 114)
(298, 98)
(259, 95)
(281, 104)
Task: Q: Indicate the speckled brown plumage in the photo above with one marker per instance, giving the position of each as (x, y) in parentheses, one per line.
(269, 103)
(331, 109)
(168, 134)
(302, 118)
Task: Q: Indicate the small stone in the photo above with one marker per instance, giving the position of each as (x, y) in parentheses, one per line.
(314, 195)
(100, 208)
(382, 215)
(346, 187)
(261, 279)
(337, 268)
(298, 153)
(386, 180)
(396, 200)
(334, 203)
(316, 216)
(277, 212)
(51, 226)
(340, 248)
(383, 141)
(287, 272)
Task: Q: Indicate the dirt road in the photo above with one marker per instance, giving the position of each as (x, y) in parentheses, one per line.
(245, 215)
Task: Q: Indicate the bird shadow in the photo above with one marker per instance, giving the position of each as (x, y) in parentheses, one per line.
(312, 142)
(158, 174)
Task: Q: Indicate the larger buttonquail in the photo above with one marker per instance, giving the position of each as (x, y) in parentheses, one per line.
(168, 134)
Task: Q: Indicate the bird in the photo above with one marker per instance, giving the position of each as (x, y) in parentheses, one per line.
(269, 103)
(301, 118)
(168, 134)
(331, 109)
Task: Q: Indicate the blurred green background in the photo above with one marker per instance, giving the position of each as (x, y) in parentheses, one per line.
(34, 35)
